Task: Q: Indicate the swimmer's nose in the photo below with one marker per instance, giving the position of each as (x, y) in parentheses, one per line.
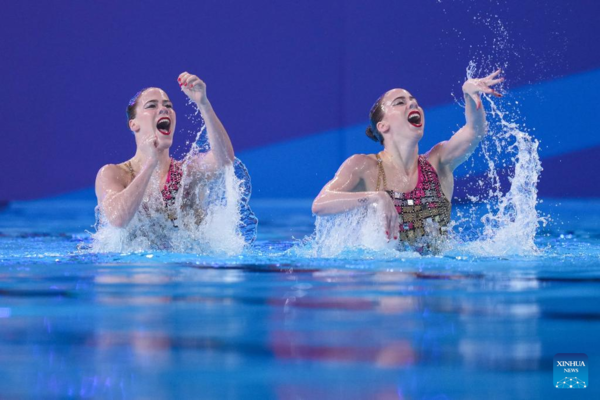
(163, 111)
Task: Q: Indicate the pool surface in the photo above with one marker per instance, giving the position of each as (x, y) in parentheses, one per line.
(269, 325)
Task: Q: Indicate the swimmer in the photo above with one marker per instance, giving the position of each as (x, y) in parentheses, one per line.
(413, 191)
(121, 188)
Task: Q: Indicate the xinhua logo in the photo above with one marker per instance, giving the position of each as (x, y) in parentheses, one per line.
(570, 371)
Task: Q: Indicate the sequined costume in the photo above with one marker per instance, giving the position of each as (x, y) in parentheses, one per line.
(422, 211)
(172, 185)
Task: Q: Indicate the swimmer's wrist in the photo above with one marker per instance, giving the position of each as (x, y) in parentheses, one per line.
(150, 163)
(376, 198)
(204, 104)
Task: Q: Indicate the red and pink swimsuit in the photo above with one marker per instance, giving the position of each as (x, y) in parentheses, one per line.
(423, 210)
(172, 185)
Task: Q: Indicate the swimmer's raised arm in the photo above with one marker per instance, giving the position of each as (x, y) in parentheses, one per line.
(343, 193)
(461, 145)
(221, 153)
(119, 201)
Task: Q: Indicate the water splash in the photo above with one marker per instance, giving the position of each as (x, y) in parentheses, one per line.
(358, 233)
(238, 187)
(211, 209)
(512, 220)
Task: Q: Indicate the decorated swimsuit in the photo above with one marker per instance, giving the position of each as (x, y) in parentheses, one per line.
(172, 185)
(422, 212)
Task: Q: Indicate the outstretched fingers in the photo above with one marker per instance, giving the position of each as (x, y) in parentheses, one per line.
(493, 74)
(493, 82)
(487, 82)
(490, 81)
(491, 91)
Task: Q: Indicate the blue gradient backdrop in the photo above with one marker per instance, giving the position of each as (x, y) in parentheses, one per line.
(292, 81)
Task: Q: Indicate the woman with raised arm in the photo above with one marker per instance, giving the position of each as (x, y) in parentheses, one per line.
(122, 188)
(413, 191)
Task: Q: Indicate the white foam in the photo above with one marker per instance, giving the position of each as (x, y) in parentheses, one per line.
(357, 233)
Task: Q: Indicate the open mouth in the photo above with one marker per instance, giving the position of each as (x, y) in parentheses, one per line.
(164, 126)
(415, 119)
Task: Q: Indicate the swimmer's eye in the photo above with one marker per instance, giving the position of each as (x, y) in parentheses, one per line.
(398, 103)
(153, 105)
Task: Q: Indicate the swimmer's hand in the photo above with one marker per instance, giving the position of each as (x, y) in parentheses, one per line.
(474, 87)
(384, 203)
(193, 87)
(152, 149)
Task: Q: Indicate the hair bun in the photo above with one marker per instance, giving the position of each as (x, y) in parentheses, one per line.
(370, 134)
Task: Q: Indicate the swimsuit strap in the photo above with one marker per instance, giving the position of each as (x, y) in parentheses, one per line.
(130, 169)
(430, 176)
(380, 174)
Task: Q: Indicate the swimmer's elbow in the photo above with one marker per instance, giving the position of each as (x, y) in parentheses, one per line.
(113, 212)
(228, 162)
(219, 160)
(321, 207)
(317, 208)
(225, 157)
(118, 221)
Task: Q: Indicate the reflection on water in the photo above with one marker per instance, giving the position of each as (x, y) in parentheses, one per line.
(267, 324)
(172, 331)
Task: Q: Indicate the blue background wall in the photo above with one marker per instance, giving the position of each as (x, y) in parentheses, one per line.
(291, 80)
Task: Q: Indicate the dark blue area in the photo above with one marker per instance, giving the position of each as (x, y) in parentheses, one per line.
(275, 70)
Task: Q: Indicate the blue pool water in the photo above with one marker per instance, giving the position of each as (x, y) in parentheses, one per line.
(271, 325)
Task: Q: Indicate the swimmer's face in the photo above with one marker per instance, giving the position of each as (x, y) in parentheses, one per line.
(155, 116)
(402, 115)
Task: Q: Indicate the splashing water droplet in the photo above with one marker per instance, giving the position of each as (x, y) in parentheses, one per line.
(511, 221)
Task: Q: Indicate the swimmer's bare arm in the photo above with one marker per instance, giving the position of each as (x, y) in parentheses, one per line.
(342, 194)
(221, 153)
(451, 153)
(119, 202)
(119, 198)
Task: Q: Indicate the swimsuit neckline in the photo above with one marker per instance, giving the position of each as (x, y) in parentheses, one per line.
(419, 175)
(131, 171)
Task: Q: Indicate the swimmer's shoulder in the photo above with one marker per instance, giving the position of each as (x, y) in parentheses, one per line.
(114, 174)
(355, 172)
(361, 161)
(360, 164)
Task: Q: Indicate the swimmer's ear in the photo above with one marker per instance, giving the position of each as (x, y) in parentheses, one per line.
(383, 127)
(133, 125)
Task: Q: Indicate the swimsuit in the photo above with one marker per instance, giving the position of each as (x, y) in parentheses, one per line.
(172, 185)
(423, 210)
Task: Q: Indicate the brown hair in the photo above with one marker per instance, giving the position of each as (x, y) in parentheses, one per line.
(375, 115)
(133, 104)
